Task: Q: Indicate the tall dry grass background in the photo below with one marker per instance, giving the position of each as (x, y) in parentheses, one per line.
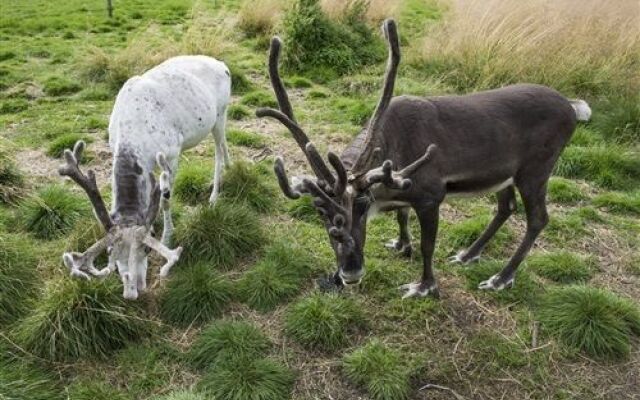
(578, 47)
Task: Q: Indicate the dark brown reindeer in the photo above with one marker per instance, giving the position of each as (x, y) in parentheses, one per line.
(491, 141)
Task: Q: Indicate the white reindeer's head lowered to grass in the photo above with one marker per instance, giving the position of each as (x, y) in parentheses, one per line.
(127, 240)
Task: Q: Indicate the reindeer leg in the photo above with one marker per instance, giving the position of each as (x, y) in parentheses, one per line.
(428, 217)
(403, 243)
(506, 207)
(166, 185)
(533, 198)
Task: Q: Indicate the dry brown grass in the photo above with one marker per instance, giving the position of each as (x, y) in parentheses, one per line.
(377, 11)
(259, 17)
(579, 46)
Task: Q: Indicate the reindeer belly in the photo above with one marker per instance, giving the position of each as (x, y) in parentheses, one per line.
(477, 187)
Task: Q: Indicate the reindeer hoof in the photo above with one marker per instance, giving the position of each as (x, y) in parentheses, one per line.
(496, 283)
(404, 249)
(460, 258)
(420, 289)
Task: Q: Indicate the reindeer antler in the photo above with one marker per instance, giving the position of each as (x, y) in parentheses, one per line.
(86, 182)
(81, 263)
(395, 180)
(364, 159)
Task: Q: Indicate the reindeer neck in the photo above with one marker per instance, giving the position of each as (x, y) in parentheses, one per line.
(130, 187)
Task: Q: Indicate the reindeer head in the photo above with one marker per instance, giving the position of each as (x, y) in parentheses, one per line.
(127, 241)
(342, 197)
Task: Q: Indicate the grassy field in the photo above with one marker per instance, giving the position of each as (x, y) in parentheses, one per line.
(240, 317)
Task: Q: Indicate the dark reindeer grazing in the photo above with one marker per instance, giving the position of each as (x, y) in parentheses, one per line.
(491, 141)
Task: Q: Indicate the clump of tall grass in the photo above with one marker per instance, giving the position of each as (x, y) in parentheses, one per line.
(17, 276)
(276, 277)
(193, 182)
(220, 235)
(562, 266)
(324, 321)
(379, 369)
(239, 137)
(21, 381)
(611, 167)
(618, 118)
(248, 378)
(75, 319)
(591, 320)
(52, 212)
(11, 178)
(376, 10)
(315, 42)
(564, 191)
(250, 184)
(63, 142)
(225, 341)
(259, 17)
(195, 294)
(619, 202)
(183, 395)
(590, 49)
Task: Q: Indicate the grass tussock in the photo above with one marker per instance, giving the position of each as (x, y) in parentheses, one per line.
(323, 321)
(591, 49)
(225, 341)
(63, 142)
(319, 45)
(183, 395)
(303, 209)
(619, 202)
(220, 235)
(591, 320)
(193, 182)
(618, 119)
(249, 184)
(611, 167)
(239, 137)
(379, 369)
(79, 319)
(237, 112)
(251, 379)
(195, 295)
(277, 277)
(21, 381)
(17, 276)
(11, 179)
(564, 191)
(258, 18)
(375, 13)
(52, 212)
(562, 266)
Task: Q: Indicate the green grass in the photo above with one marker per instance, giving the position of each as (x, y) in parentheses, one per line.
(92, 390)
(79, 319)
(239, 81)
(461, 235)
(591, 320)
(526, 290)
(299, 82)
(21, 381)
(59, 86)
(193, 182)
(237, 112)
(499, 352)
(277, 277)
(611, 167)
(18, 277)
(243, 138)
(63, 142)
(562, 266)
(12, 106)
(324, 322)
(52, 212)
(259, 98)
(225, 341)
(194, 295)
(619, 119)
(379, 369)
(619, 202)
(248, 379)
(11, 179)
(221, 235)
(355, 111)
(183, 395)
(564, 191)
(250, 184)
(303, 209)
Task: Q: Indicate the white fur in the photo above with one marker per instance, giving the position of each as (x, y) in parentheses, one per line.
(582, 109)
(170, 108)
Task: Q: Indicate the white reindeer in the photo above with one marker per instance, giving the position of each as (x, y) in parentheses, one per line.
(156, 116)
